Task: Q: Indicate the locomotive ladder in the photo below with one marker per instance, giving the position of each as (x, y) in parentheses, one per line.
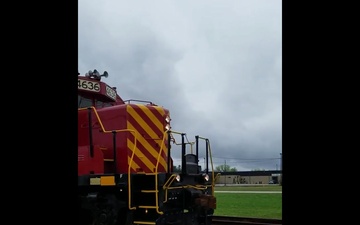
(147, 199)
(149, 195)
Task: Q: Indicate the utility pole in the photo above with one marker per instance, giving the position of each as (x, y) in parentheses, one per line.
(225, 172)
(281, 168)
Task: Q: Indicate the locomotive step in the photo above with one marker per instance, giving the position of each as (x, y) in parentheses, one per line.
(147, 207)
(149, 191)
(143, 222)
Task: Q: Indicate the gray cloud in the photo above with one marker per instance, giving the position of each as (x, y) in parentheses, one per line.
(216, 65)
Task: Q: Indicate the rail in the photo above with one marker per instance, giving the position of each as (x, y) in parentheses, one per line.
(223, 220)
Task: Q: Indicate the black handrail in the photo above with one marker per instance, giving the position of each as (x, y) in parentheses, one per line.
(114, 146)
(90, 134)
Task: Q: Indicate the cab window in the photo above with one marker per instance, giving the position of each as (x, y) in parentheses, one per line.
(84, 102)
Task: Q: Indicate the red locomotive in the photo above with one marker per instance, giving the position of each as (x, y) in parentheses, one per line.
(125, 167)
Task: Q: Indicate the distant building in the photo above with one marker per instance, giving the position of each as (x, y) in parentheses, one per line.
(249, 177)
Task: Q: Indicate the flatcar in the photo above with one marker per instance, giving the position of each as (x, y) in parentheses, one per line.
(126, 171)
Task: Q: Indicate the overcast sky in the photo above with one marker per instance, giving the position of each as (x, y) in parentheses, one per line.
(215, 64)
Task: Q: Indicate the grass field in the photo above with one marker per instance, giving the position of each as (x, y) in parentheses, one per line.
(258, 205)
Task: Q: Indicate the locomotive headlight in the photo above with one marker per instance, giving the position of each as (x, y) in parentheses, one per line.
(177, 177)
(167, 127)
(167, 119)
(206, 177)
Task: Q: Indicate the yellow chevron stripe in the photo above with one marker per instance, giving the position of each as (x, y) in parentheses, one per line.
(160, 109)
(152, 117)
(142, 123)
(147, 146)
(141, 156)
(134, 166)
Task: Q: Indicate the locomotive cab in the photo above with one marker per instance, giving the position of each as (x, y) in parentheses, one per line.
(93, 92)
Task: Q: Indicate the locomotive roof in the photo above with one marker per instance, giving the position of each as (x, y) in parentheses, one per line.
(90, 85)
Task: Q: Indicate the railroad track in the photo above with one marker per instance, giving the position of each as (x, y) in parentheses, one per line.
(222, 220)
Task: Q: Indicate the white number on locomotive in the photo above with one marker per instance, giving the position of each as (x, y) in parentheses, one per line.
(111, 92)
(88, 85)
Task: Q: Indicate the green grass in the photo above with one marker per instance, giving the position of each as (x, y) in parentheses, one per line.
(258, 205)
(249, 188)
